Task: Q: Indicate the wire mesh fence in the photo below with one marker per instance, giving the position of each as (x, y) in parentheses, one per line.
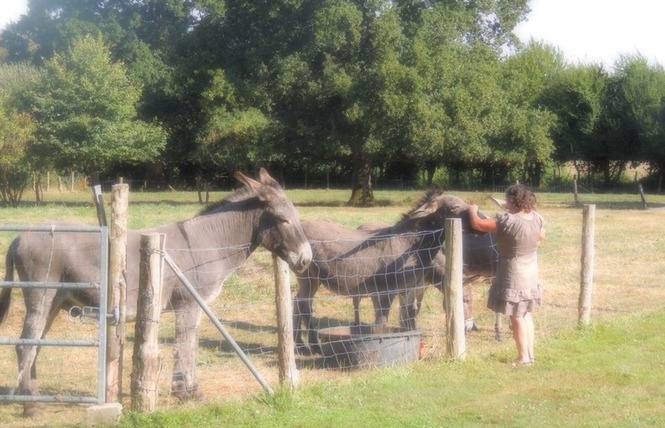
(628, 278)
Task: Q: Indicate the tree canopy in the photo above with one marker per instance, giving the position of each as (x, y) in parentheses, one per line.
(16, 131)
(85, 109)
(350, 89)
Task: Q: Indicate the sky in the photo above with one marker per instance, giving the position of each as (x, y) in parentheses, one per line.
(587, 31)
(598, 31)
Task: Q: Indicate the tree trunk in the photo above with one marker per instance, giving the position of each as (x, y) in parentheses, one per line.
(361, 192)
(37, 184)
(537, 175)
(94, 177)
(431, 169)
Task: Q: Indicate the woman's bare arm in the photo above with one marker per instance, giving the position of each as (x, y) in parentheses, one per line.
(481, 224)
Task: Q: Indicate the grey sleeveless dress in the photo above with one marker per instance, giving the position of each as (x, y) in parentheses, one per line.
(515, 288)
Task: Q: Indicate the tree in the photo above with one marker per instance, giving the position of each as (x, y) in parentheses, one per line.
(16, 132)
(230, 136)
(523, 138)
(15, 136)
(354, 83)
(637, 105)
(576, 97)
(85, 108)
(147, 36)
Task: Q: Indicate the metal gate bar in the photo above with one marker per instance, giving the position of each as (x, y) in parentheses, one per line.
(206, 309)
(48, 399)
(100, 343)
(37, 284)
(49, 342)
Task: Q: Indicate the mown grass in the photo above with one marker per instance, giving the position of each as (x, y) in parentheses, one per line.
(609, 374)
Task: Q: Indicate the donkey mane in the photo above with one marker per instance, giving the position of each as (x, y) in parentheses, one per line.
(242, 194)
(429, 194)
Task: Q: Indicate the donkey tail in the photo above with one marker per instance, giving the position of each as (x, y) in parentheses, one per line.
(6, 295)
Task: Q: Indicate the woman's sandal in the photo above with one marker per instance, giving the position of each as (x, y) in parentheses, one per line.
(519, 363)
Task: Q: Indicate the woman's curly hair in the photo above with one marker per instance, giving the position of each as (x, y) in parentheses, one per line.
(522, 197)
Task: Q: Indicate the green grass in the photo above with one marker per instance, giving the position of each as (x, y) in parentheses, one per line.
(606, 375)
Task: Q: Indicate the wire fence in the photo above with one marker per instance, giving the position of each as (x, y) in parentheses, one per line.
(628, 280)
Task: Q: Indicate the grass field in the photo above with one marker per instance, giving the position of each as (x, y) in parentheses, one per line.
(609, 374)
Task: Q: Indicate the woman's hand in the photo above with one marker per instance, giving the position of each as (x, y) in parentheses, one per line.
(473, 209)
(480, 224)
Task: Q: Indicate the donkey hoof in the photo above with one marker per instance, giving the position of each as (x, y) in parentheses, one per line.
(470, 326)
(31, 410)
(184, 397)
(316, 349)
(302, 349)
(184, 394)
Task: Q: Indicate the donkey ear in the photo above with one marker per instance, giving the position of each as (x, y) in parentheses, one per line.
(248, 181)
(266, 178)
(424, 210)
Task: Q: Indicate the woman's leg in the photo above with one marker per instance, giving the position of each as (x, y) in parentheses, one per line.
(520, 334)
(530, 335)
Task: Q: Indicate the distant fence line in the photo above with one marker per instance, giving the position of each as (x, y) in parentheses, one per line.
(51, 182)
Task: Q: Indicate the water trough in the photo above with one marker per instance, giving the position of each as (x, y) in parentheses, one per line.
(369, 346)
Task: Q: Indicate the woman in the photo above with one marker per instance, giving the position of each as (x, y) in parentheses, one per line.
(515, 290)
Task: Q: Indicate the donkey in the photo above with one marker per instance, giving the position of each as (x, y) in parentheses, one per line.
(207, 248)
(480, 260)
(378, 264)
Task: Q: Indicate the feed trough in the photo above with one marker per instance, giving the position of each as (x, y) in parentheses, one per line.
(367, 346)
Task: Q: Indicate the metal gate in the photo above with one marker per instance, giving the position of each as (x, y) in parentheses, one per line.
(100, 343)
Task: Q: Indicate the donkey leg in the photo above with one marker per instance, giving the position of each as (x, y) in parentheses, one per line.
(467, 297)
(302, 318)
(356, 309)
(497, 327)
(410, 302)
(184, 383)
(39, 316)
(302, 321)
(312, 337)
(382, 303)
(297, 324)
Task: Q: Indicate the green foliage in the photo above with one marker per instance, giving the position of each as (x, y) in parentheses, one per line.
(343, 87)
(16, 132)
(86, 112)
(640, 96)
(576, 98)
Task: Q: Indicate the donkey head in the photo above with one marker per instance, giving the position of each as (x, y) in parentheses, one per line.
(435, 207)
(279, 227)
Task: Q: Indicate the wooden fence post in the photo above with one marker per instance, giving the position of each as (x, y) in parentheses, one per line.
(588, 255)
(145, 359)
(288, 372)
(117, 303)
(99, 203)
(453, 299)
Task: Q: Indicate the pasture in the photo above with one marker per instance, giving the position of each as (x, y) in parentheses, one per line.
(628, 289)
